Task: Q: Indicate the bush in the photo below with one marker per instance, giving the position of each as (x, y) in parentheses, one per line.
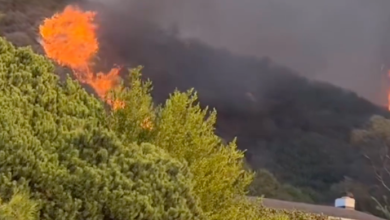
(58, 143)
(55, 141)
(291, 214)
(186, 131)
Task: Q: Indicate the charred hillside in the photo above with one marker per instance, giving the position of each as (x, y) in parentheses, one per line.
(297, 128)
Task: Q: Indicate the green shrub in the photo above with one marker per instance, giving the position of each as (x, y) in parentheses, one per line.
(56, 143)
(292, 214)
(186, 131)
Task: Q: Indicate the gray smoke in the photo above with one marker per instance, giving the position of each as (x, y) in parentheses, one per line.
(338, 41)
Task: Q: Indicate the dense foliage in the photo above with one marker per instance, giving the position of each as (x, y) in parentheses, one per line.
(374, 143)
(19, 207)
(297, 215)
(186, 131)
(78, 162)
(56, 143)
(266, 184)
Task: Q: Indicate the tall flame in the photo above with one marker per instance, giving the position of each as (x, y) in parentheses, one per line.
(69, 38)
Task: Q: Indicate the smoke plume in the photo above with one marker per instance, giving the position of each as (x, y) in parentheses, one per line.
(337, 41)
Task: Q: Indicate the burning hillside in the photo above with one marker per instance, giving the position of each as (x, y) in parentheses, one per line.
(71, 39)
(275, 113)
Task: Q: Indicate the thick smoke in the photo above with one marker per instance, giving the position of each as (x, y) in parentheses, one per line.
(338, 41)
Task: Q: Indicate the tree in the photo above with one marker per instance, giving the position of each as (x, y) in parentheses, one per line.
(374, 144)
(265, 184)
(56, 143)
(186, 131)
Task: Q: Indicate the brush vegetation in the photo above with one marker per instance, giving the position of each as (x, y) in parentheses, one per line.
(77, 160)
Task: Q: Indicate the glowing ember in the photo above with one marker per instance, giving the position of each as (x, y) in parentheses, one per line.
(147, 124)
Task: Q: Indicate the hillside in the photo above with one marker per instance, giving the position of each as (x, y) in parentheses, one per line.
(295, 128)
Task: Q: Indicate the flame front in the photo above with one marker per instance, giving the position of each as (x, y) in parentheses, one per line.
(69, 38)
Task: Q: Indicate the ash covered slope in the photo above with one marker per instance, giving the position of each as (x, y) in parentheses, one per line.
(294, 127)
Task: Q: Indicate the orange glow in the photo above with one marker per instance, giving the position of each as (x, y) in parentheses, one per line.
(388, 95)
(147, 124)
(69, 38)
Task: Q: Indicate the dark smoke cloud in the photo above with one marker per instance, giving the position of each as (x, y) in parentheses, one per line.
(338, 41)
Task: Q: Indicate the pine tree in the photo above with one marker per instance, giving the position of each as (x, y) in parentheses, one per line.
(56, 143)
(186, 131)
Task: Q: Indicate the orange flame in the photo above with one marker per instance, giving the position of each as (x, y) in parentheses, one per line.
(70, 39)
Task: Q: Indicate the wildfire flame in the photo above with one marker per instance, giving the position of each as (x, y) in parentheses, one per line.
(69, 38)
